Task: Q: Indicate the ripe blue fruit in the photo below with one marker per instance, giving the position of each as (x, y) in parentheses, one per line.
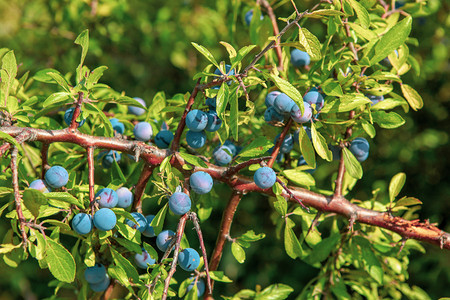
(214, 122)
(68, 115)
(249, 17)
(297, 115)
(143, 131)
(234, 149)
(201, 182)
(95, 274)
(270, 98)
(143, 259)
(211, 102)
(140, 219)
(179, 203)
(107, 198)
(196, 120)
(314, 97)
(265, 177)
(125, 197)
(105, 219)
(271, 116)
(196, 139)
(222, 155)
(300, 58)
(360, 149)
(56, 177)
(117, 125)
(375, 99)
(188, 259)
(137, 111)
(335, 151)
(227, 71)
(109, 157)
(40, 185)
(149, 230)
(287, 144)
(82, 223)
(283, 104)
(163, 239)
(163, 139)
(200, 287)
(101, 286)
(302, 162)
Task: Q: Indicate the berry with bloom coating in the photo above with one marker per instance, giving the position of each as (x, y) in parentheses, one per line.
(163, 139)
(196, 139)
(270, 98)
(200, 287)
(196, 120)
(211, 102)
(271, 116)
(375, 99)
(163, 239)
(360, 149)
(143, 131)
(101, 286)
(287, 144)
(249, 17)
(283, 104)
(82, 223)
(314, 97)
(143, 259)
(68, 115)
(105, 219)
(125, 197)
(300, 58)
(302, 162)
(188, 259)
(201, 182)
(107, 198)
(56, 177)
(265, 177)
(179, 203)
(117, 125)
(222, 155)
(137, 111)
(227, 71)
(214, 122)
(140, 219)
(109, 157)
(296, 113)
(149, 230)
(95, 274)
(40, 185)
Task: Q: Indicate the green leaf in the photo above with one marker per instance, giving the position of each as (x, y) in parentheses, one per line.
(413, 98)
(352, 165)
(299, 178)
(276, 291)
(242, 53)
(9, 64)
(320, 144)
(363, 32)
(60, 80)
(222, 99)
(345, 103)
(322, 250)
(60, 261)
(287, 88)
(205, 52)
(6, 248)
(125, 265)
(129, 245)
(56, 98)
(230, 49)
(310, 42)
(408, 201)
(192, 159)
(33, 199)
(125, 100)
(368, 128)
(6, 137)
(234, 114)
(372, 264)
(258, 146)
(219, 276)
(65, 197)
(291, 243)
(396, 185)
(280, 205)
(83, 41)
(332, 88)
(361, 12)
(109, 131)
(318, 14)
(238, 252)
(158, 221)
(387, 120)
(389, 42)
(95, 75)
(306, 148)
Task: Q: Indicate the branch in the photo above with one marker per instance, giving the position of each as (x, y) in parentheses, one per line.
(276, 148)
(17, 197)
(90, 159)
(147, 171)
(76, 112)
(44, 156)
(276, 32)
(349, 35)
(341, 170)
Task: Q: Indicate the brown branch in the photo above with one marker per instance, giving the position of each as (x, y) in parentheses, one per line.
(276, 148)
(276, 32)
(17, 196)
(20, 138)
(292, 195)
(182, 124)
(90, 159)
(76, 112)
(44, 156)
(232, 170)
(341, 170)
(227, 219)
(349, 35)
(147, 171)
(410, 229)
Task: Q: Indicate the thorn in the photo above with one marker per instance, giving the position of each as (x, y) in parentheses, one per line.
(352, 220)
(403, 243)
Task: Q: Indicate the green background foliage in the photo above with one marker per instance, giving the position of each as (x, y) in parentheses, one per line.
(147, 48)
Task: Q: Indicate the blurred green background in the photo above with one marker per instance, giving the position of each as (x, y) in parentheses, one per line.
(147, 47)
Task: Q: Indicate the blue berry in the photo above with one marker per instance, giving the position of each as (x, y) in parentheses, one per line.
(375, 99)
(201, 182)
(214, 122)
(56, 177)
(222, 155)
(200, 287)
(308, 133)
(163, 139)
(149, 230)
(302, 162)
(300, 58)
(141, 222)
(101, 286)
(117, 125)
(211, 102)
(107, 198)
(287, 144)
(296, 113)
(179, 203)
(270, 98)
(272, 117)
(109, 157)
(40, 185)
(231, 146)
(105, 219)
(227, 71)
(249, 17)
(196, 120)
(360, 149)
(195, 139)
(143, 259)
(188, 259)
(143, 131)
(82, 223)
(68, 115)
(265, 177)
(283, 104)
(335, 151)
(137, 111)
(314, 97)
(163, 239)
(125, 197)
(95, 274)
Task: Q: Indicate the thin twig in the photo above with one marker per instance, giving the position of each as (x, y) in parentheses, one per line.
(276, 32)
(341, 170)
(90, 160)
(76, 112)
(147, 171)
(44, 156)
(17, 196)
(292, 195)
(276, 148)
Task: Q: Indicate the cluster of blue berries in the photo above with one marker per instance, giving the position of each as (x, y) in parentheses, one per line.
(97, 277)
(56, 177)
